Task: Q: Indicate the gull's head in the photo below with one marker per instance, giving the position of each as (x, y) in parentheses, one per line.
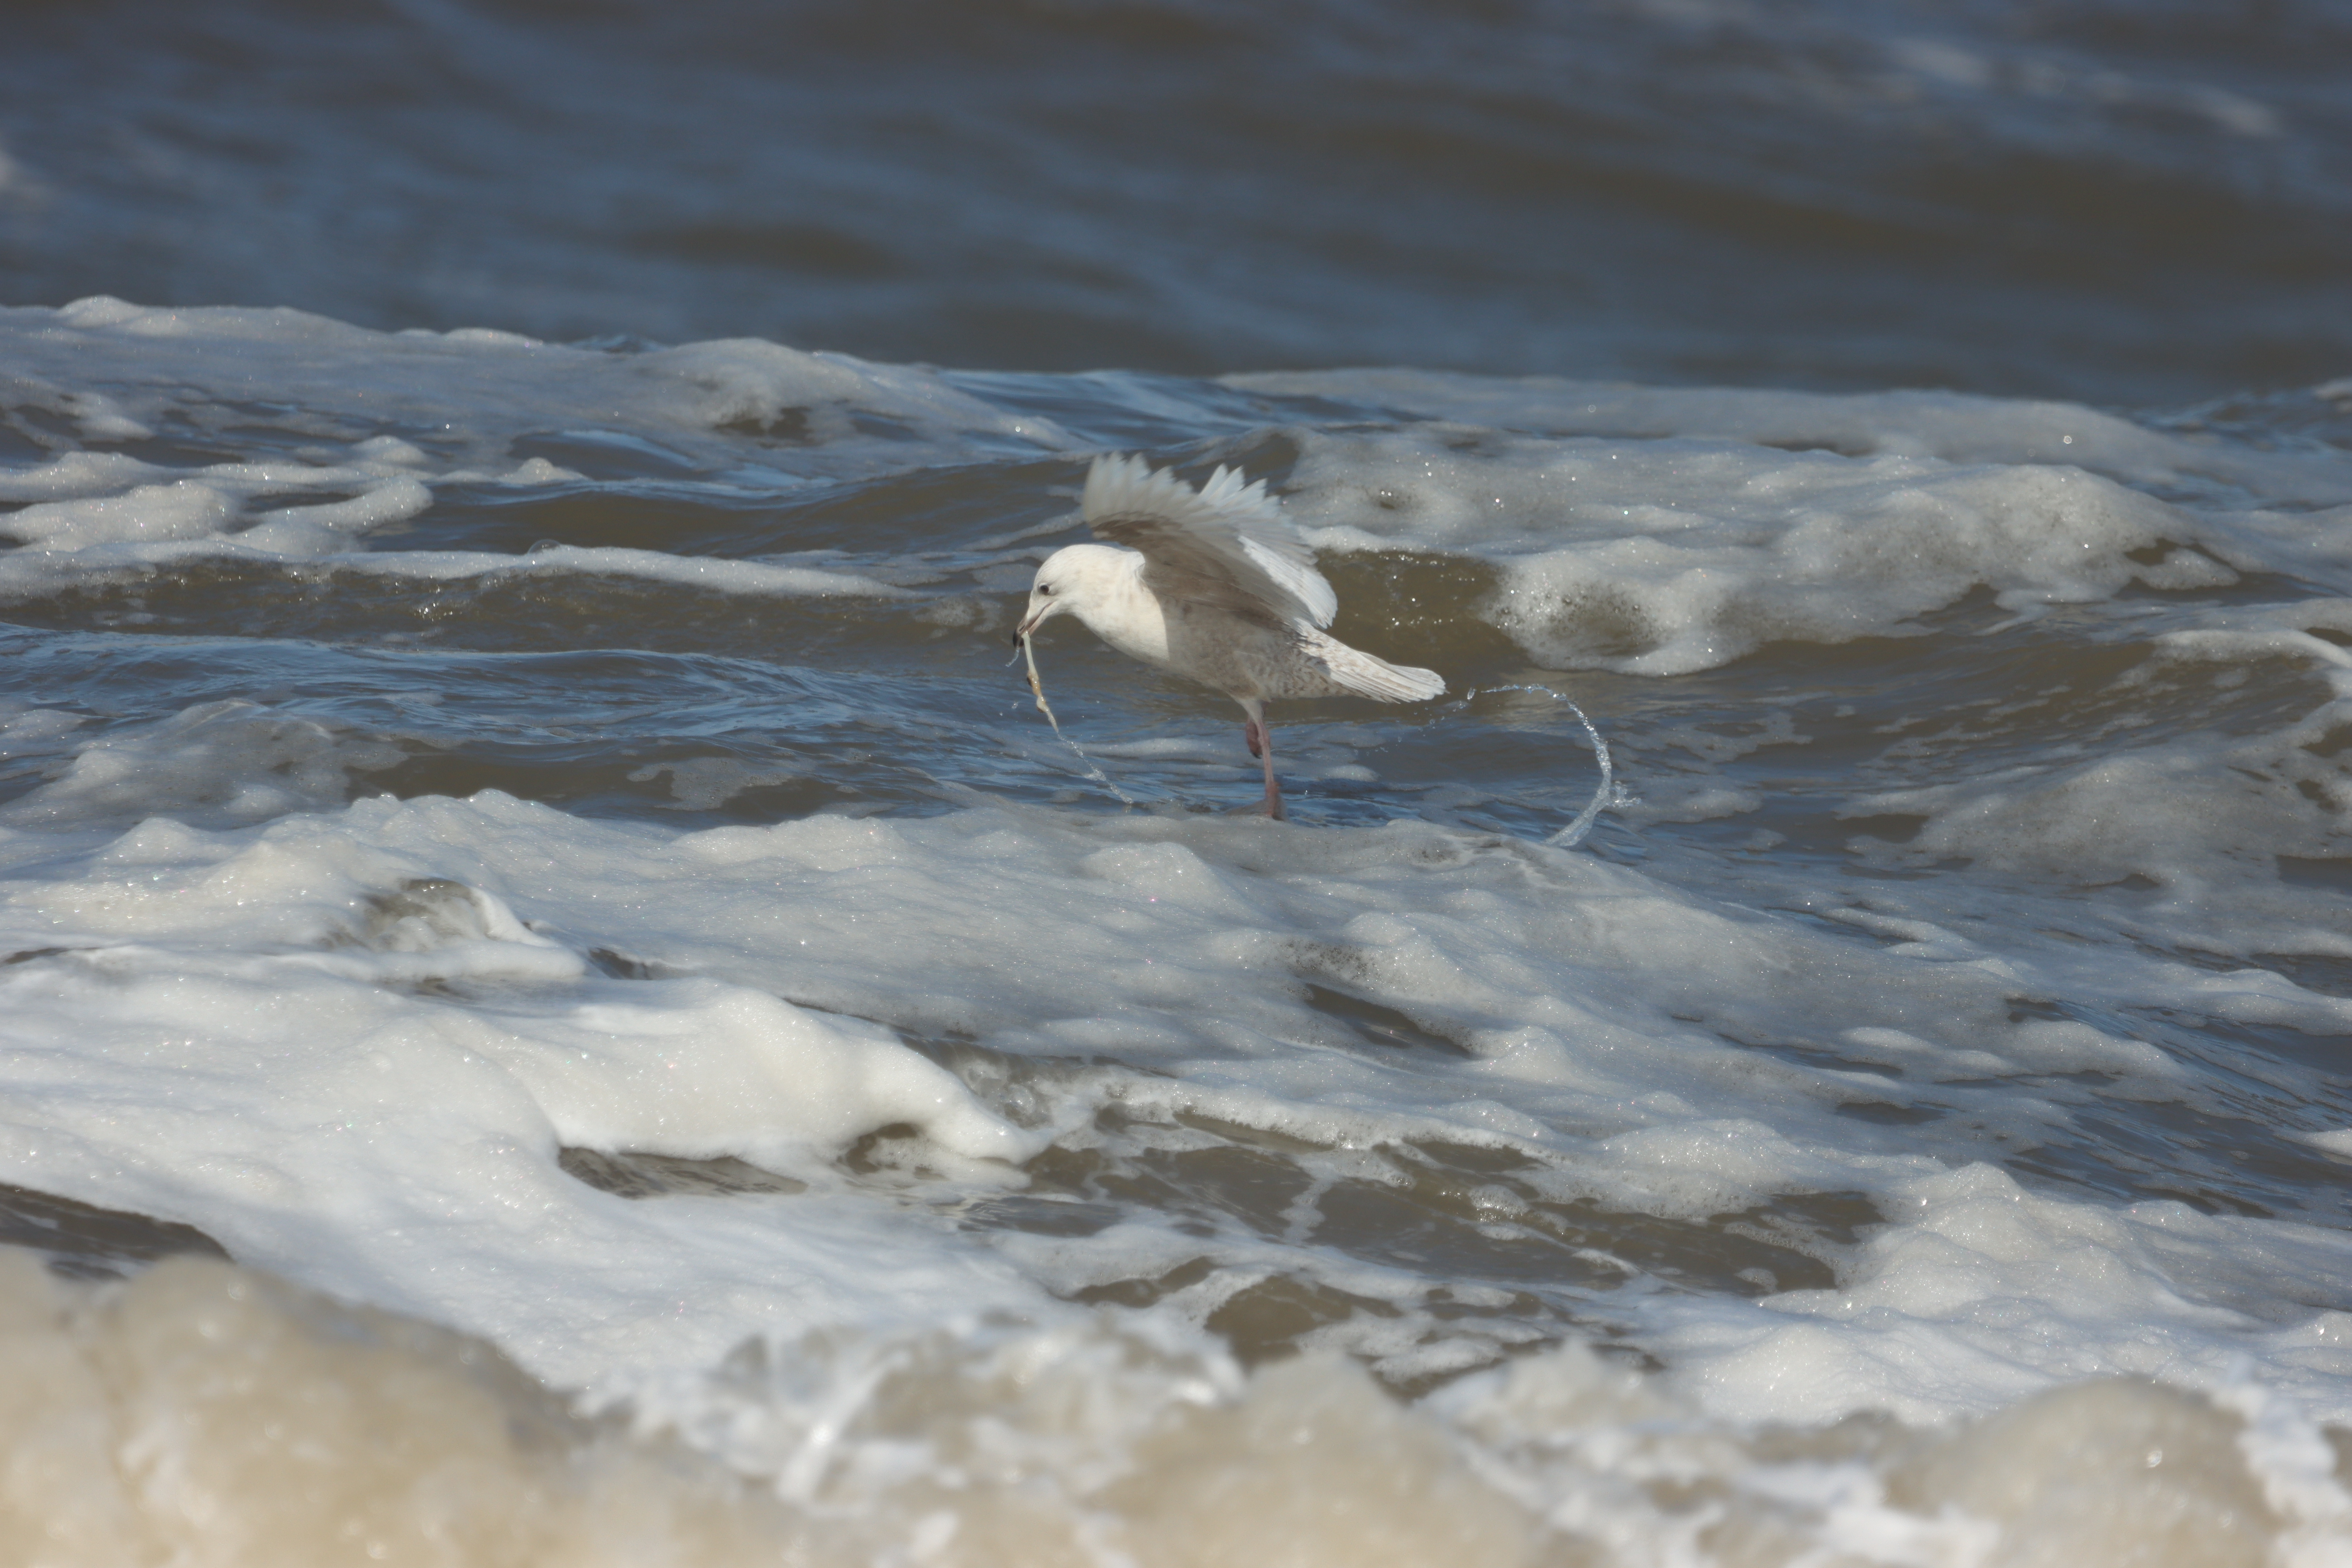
(1074, 578)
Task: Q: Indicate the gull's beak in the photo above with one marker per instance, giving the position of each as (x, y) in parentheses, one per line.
(1032, 620)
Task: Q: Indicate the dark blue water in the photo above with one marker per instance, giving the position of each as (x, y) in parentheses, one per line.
(2136, 204)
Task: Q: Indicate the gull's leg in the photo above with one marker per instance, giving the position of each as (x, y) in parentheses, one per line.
(1261, 745)
(1273, 790)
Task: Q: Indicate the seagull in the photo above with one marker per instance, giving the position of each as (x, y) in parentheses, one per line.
(1215, 587)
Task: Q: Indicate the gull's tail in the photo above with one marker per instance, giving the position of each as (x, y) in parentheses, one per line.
(1374, 677)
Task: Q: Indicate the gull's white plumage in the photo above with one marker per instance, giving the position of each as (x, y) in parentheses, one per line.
(1215, 587)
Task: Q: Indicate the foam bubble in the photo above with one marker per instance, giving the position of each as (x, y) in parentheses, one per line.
(479, 390)
(230, 760)
(183, 509)
(717, 574)
(1982, 1288)
(1954, 428)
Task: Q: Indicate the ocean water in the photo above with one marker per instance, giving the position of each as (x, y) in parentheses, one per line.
(562, 1003)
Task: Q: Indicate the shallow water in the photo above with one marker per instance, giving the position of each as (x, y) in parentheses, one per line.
(596, 881)
(541, 855)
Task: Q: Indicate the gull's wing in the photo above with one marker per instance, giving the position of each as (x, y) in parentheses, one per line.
(1226, 533)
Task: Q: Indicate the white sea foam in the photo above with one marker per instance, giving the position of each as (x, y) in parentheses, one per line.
(1982, 1291)
(1668, 555)
(229, 761)
(468, 395)
(481, 388)
(298, 970)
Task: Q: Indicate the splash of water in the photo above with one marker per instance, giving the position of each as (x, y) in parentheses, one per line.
(1605, 794)
(1037, 689)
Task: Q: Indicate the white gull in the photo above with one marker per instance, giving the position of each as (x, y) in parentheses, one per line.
(1215, 587)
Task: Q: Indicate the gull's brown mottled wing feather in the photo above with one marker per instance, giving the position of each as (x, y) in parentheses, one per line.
(1226, 533)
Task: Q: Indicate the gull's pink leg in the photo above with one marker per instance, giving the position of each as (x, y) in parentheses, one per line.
(1261, 744)
(1273, 790)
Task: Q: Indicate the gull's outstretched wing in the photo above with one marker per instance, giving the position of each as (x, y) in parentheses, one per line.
(1226, 533)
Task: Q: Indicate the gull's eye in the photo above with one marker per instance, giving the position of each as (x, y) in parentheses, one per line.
(1046, 589)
